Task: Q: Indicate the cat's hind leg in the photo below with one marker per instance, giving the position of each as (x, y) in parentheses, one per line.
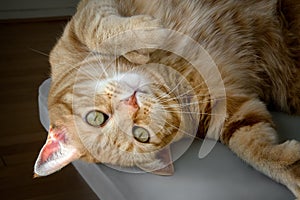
(250, 133)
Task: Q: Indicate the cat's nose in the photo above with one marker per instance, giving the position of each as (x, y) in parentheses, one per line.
(132, 101)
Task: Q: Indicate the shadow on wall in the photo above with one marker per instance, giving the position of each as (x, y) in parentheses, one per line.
(20, 9)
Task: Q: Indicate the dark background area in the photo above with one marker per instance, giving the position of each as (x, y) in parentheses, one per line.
(23, 67)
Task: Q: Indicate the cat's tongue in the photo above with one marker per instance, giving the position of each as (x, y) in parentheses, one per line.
(55, 154)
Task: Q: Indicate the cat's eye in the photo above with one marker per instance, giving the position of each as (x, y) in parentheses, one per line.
(96, 118)
(141, 134)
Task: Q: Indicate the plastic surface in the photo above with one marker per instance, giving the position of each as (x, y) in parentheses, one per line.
(43, 105)
(220, 175)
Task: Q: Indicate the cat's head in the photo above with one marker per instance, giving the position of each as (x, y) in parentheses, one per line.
(119, 114)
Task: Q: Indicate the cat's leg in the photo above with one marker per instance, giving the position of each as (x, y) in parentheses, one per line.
(250, 133)
(97, 21)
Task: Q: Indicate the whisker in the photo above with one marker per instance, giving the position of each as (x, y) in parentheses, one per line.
(182, 96)
(195, 113)
(39, 52)
(88, 73)
(180, 105)
(179, 129)
(165, 95)
(185, 93)
(193, 89)
(116, 69)
(101, 64)
(177, 85)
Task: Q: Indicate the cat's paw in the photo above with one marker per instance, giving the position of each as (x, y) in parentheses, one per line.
(148, 30)
(133, 37)
(148, 35)
(144, 22)
(294, 177)
(291, 169)
(138, 56)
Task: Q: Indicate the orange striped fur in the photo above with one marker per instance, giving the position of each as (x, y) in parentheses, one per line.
(255, 45)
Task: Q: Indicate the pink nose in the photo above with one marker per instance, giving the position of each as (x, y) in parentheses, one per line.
(132, 101)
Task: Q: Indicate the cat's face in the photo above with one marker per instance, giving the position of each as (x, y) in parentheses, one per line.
(125, 116)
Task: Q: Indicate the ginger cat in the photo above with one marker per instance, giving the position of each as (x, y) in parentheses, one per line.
(124, 86)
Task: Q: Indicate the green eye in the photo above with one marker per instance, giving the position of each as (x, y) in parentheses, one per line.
(140, 134)
(96, 118)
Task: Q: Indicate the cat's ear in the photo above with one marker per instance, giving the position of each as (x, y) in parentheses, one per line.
(138, 57)
(161, 165)
(55, 154)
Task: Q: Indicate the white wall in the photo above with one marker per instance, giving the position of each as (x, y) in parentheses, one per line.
(16, 9)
